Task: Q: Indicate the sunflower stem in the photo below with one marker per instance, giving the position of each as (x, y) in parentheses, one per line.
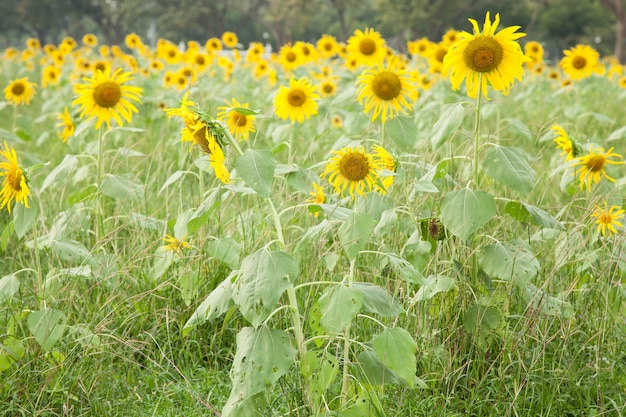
(477, 132)
(41, 300)
(382, 134)
(345, 386)
(99, 168)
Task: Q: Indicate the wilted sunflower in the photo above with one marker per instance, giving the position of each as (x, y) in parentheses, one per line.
(67, 124)
(592, 165)
(497, 57)
(581, 62)
(563, 142)
(354, 170)
(239, 122)
(15, 183)
(367, 47)
(607, 218)
(296, 102)
(19, 92)
(386, 90)
(106, 97)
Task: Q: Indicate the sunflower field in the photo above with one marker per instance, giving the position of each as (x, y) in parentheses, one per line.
(329, 229)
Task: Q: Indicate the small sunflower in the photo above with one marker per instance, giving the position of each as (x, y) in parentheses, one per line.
(213, 45)
(386, 90)
(327, 88)
(239, 122)
(317, 196)
(289, 57)
(367, 47)
(563, 142)
(50, 75)
(133, 41)
(327, 46)
(19, 92)
(607, 218)
(15, 183)
(387, 163)
(534, 51)
(255, 51)
(296, 102)
(581, 62)
(592, 166)
(106, 97)
(66, 122)
(230, 40)
(489, 57)
(354, 170)
(90, 40)
(175, 245)
(336, 122)
(451, 36)
(622, 82)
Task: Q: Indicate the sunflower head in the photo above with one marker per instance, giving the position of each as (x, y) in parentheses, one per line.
(296, 102)
(592, 166)
(608, 218)
(15, 181)
(353, 170)
(19, 92)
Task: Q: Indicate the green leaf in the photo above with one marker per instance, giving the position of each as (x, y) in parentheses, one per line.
(339, 304)
(525, 213)
(163, 259)
(47, 327)
(243, 110)
(617, 134)
(218, 302)
(122, 188)
(396, 350)
(70, 250)
(171, 180)
(377, 300)
(7, 232)
(23, 219)
(9, 285)
(509, 261)
(203, 213)
(355, 232)
(465, 211)
(449, 122)
(406, 269)
(509, 166)
(545, 303)
(434, 285)
(312, 236)
(256, 168)
(226, 250)
(372, 371)
(481, 319)
(403, 131)
(262, 278)
(60, 172)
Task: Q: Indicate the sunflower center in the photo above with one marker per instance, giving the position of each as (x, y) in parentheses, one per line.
(605, 218)
(483, 54)
(239, 119)
(328, 88)
(200, 60)
(290, 56)
(354, 166)
(18, 89)
(296, 98)
(386, 85)
(107, 94)
(579, 62)
(200, 137)
(367, 47)
(595, 163)
(328, 47)
(15, 180)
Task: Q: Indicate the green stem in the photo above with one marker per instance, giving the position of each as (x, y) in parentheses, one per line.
(41, 299)
(100, 173)
(345, 386)
(382, 135)
(477, 132)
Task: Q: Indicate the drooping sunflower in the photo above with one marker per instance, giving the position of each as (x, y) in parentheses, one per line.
(15, 182)
(230, 40)
(388, 164)
(563, 142)
(592, 166)
(105, 96)
(486, 58)
(581, 62)
(367, 47)
(19, 92)
(296, 102)
(353, 170)
(386, 90)
(50, 75)
(239, 123)
(607, 218)
(66, 122)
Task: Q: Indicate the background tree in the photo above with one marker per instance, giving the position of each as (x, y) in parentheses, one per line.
(618, 8)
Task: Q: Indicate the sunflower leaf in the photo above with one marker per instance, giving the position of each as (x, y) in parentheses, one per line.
(450, 120)
(509, 166)
(465, 211)
(509, 261)
(256, 167)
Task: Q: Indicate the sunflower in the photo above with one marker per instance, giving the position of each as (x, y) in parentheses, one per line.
(592, 165)
(106, 97)
(255, 51)
(19, 91)
(387, 163)
(436, 56)
(386, 90)
(261, 68)
(33, 44)
(554, 75)
(327, 46)
(239, 123)
(336, 122)
(534, 51)
(607, 218)
(581, 62)
(486, 58)
(289, 57)
(327, 88)
(563, 142)
(420, 47)
(213, 45)
(50, 75)
(198, 131)
(296, 102)
(229, 39)
(622, 82)
(176, 246)
(15, 183)
(67, 124)
(354, 170)
(317, 196)
(450, 37)
(90, 39)
(133, 41)
(367, 47)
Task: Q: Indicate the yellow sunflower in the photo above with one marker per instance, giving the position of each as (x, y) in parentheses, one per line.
(386, 90)
(15, 182)
(420, 47)
(213, 45)
(451, 36)
(19, 92)
(436, 56)
(534, 51)
(296, 102)
(106, 97)
(317, 196)
(133, 41)
(336, 122)
(581, 62)
(622, 82)
(327, 46)
(90, 39)
(289, 57)
(388, 164)
(327, 88)
(66, 122)
(175, 245)
(592, 165)
(239, 122)
(486, 58)
(563, 142)
(367, 47)
(607, 218)
(230, 40)
(255, 51)
(50, 75)
(354, 170)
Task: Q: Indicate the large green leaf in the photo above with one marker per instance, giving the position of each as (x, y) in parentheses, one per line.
(60, 172)
(355, 232)
(510, 261)
(122, 188)
(396, 350)
(339, 304)
(23, 218)
(545, 303)
(465, 211)
(377, 300)
(256, 167)
(47, 327)
(403, 131)
(433, 285)
(226, 250)
(525, 213)
(509, 166)
(214, 305)
(262, 278)
(450, 119)
(9, 285)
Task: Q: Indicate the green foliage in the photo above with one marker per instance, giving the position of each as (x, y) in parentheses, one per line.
(465, 211)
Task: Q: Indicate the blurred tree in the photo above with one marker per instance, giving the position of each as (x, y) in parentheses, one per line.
(618, 8)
